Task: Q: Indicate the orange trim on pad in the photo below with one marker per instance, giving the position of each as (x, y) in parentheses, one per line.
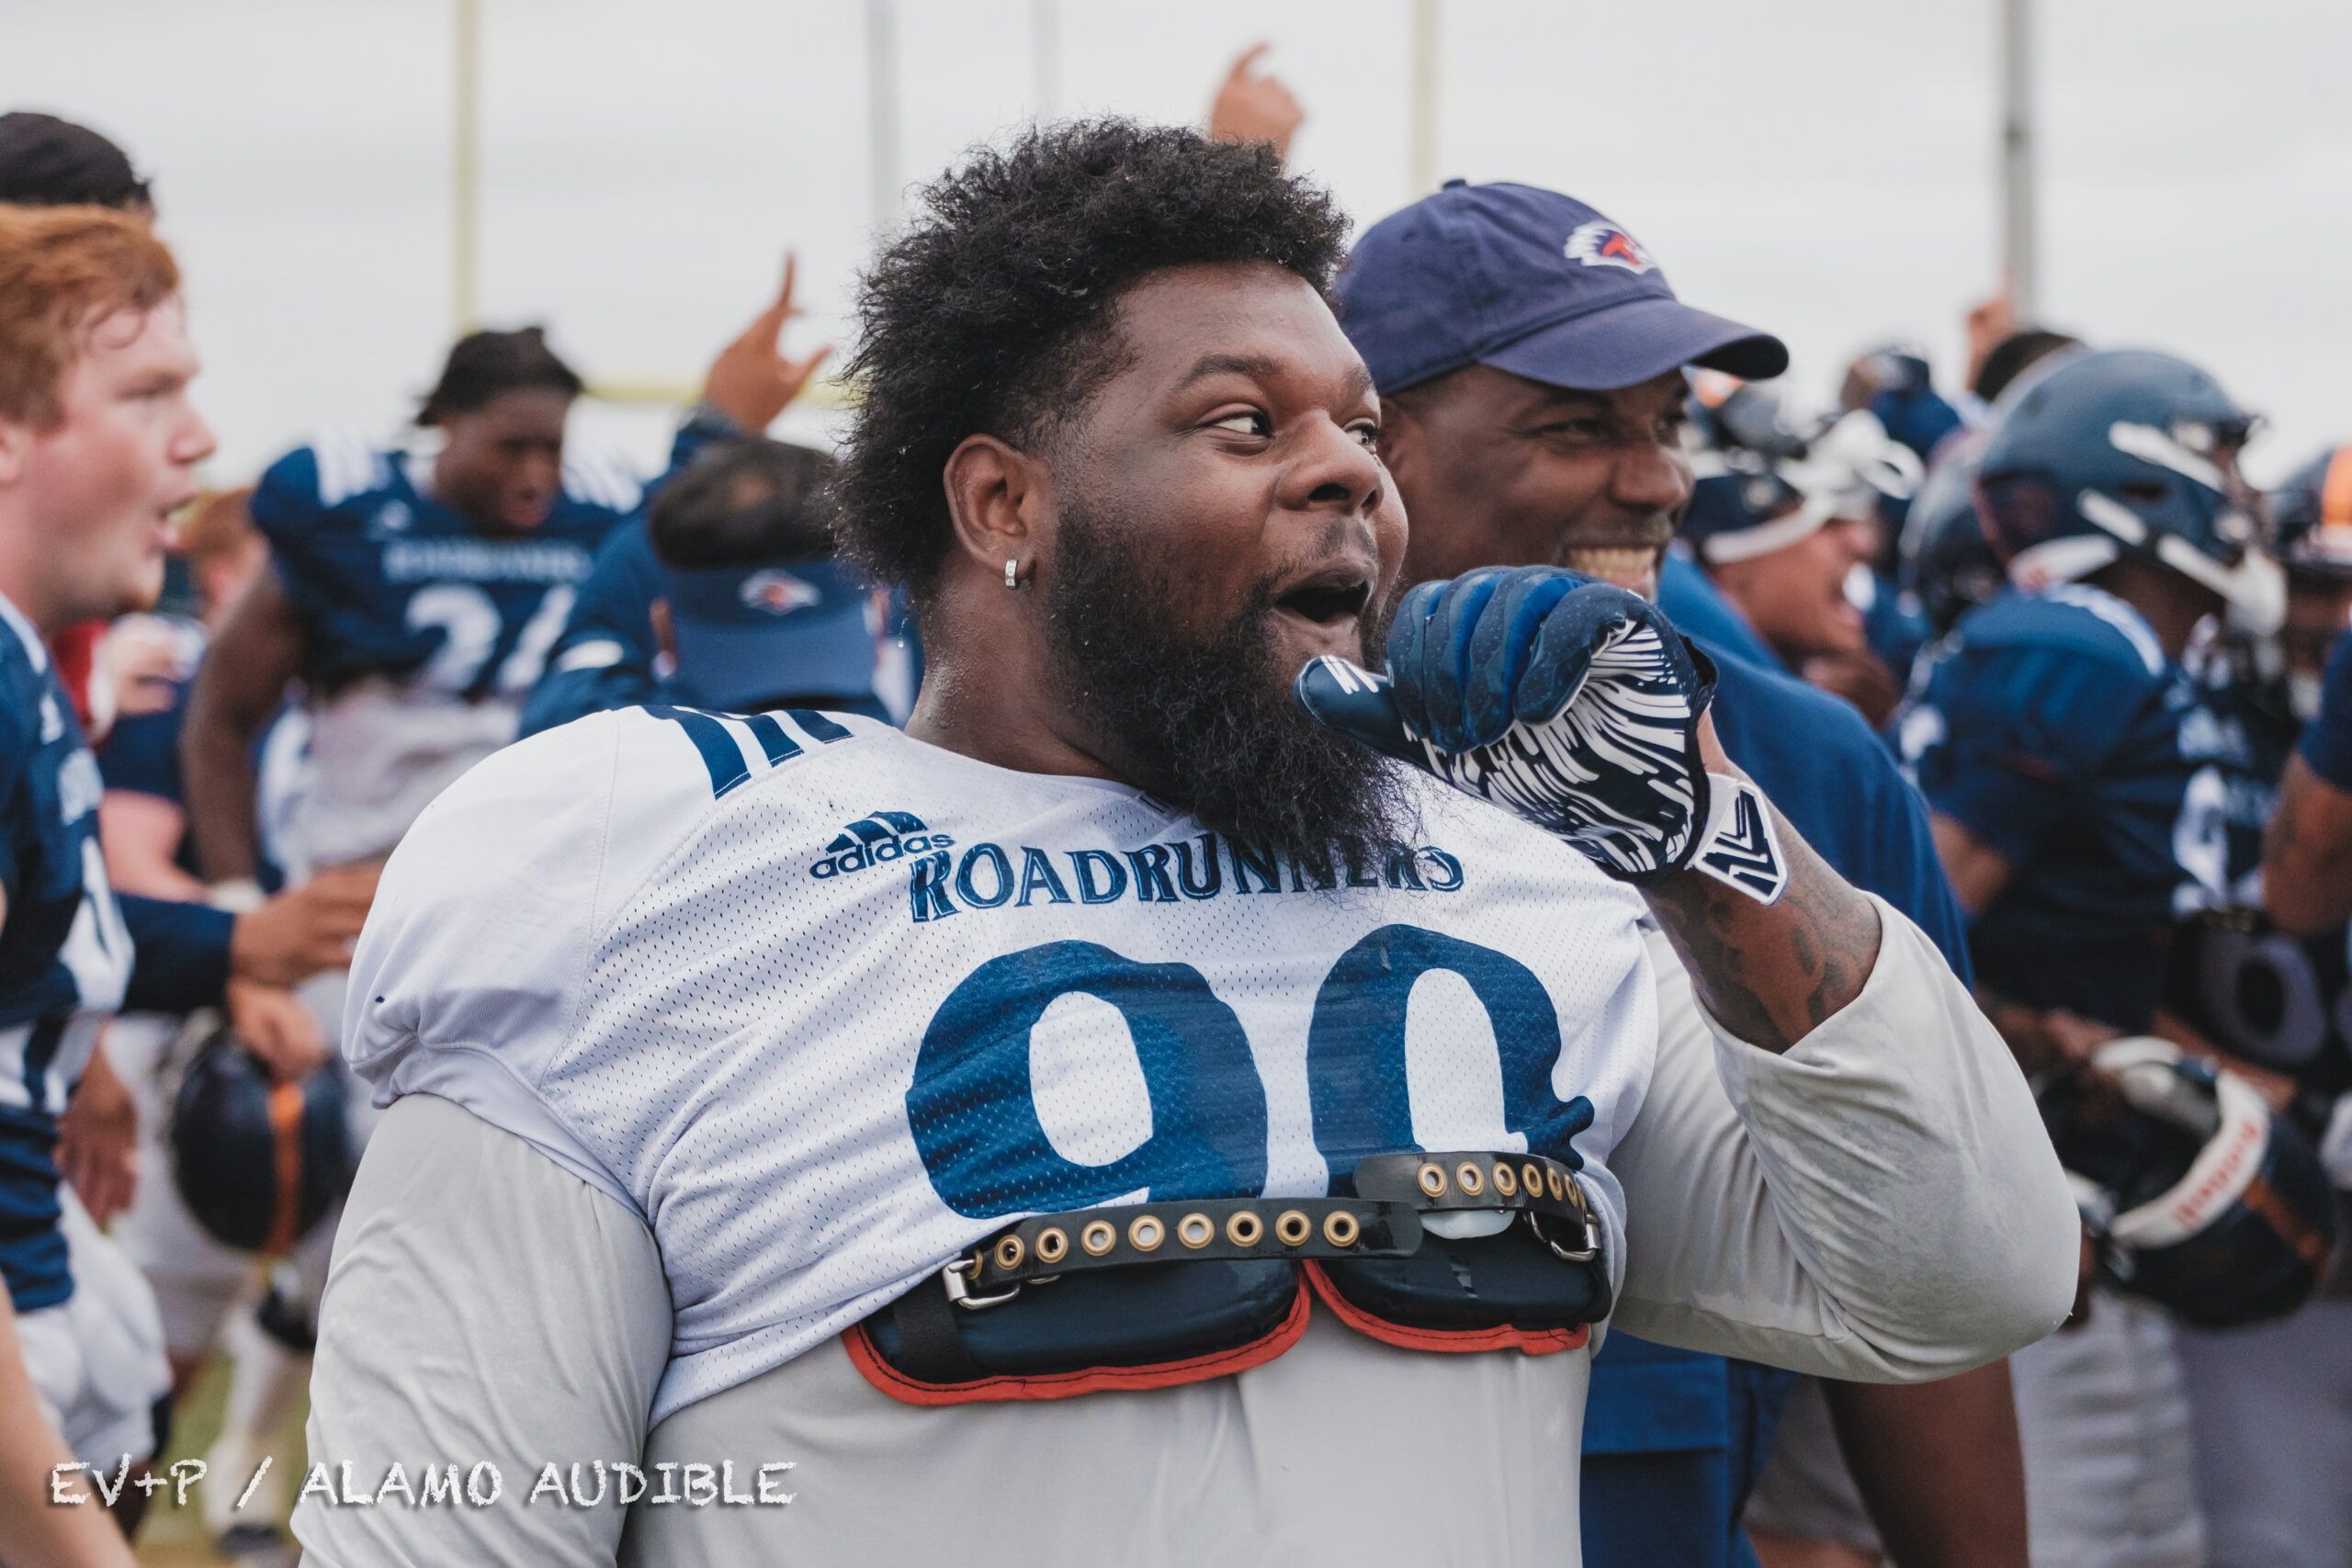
(867, 1359)
(1534, 1341)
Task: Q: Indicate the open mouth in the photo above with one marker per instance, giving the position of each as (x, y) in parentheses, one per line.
(1328, 600)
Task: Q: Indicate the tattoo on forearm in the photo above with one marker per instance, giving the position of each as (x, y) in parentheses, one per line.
(1771, 976)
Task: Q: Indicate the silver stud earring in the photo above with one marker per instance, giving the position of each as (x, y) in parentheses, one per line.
(1012, 572)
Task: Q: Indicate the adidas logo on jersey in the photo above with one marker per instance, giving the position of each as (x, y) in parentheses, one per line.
(874, 839)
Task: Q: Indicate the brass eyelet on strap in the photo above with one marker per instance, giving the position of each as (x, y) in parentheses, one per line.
(1433, 1179)
(1532, 1175)
(1196, 1231)
(1339, 1228)
(1053, 1245)
(1291, 1228)
(1098, 1238)
(1145, 1233)
(1472, 1179)
(1010, 1251)
(1559, 1188)
(1506, 1180)
(1245, 1228)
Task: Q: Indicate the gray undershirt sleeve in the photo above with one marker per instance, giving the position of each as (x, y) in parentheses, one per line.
(484, 1305)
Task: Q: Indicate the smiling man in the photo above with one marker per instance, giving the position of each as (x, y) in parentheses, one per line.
(1530, 355)
(1117, 1118)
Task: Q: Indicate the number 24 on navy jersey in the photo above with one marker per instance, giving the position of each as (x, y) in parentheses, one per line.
(391, 582)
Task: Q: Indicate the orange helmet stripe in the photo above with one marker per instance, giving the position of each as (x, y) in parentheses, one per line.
(2335, 491)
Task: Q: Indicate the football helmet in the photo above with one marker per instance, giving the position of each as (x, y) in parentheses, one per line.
(2311, 516)
(1947, 562)
(258, 1162)
(2128, 451)
(2201, 1197)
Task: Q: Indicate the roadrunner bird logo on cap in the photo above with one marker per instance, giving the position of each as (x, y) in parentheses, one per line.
(1602, 243)
(777, 593)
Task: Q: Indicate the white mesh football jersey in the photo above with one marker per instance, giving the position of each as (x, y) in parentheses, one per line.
(826, 1004)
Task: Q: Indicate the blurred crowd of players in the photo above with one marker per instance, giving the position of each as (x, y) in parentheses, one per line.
(2112, 672)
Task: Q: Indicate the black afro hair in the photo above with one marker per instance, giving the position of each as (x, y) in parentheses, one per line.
(993, 313)
(484, 366)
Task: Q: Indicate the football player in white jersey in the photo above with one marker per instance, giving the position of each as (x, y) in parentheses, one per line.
(1118, 1117)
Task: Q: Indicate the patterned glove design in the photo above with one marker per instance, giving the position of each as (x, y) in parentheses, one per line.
(1567, 702)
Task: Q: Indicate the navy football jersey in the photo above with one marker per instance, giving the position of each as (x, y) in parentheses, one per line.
(1893, 622)
(2280, 1001)
(142, 754)
(2120, 787)
(389, 581)
(65, 954)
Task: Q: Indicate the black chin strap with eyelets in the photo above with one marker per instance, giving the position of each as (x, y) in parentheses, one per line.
(1381, 1221)
(1444, 1183)
(1227, 1229)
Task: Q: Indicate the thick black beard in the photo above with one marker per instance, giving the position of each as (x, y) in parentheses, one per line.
(1210, 728)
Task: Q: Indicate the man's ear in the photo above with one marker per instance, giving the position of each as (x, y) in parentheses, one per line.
(16, 450)
(999, 498)
(665, 632)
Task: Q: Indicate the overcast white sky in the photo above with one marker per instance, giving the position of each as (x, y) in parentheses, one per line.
(1822, 168)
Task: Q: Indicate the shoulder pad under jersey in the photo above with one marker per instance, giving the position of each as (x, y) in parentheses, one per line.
(2073, 620)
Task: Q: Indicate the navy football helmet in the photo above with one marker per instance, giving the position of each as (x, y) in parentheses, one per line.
(2128, 451)
(258, 1162)
(1764, 480)
(2202, 1198)
(2311, 516)
(1947, 562)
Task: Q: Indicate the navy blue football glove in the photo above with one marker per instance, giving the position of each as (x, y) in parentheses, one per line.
(1569, 703)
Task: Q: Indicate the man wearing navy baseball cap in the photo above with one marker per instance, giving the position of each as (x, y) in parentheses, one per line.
(1531, 360)
(754, 611)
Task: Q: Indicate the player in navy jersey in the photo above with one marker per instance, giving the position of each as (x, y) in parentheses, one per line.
(414, 599)
(2094, 781)
(142, 823)
(2272, 1402)
(417, 598)
(1558, 437)
(97, 445)
(2081, 779)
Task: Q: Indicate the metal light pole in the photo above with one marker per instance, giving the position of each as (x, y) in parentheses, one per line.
(2019, 241)
(1045, 60)
(882, 114)
(1424, 109)
(464, 170)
